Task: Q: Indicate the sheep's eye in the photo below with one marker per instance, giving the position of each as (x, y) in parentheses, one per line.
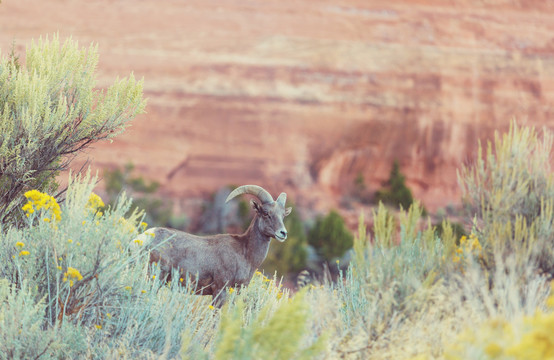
(266, 214)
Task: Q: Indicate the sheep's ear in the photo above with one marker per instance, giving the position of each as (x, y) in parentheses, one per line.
(256, 206)
(288, 211)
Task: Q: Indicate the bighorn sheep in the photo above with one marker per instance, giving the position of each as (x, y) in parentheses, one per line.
(219, 261)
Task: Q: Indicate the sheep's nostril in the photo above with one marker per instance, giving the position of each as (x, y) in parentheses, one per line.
(283, 233)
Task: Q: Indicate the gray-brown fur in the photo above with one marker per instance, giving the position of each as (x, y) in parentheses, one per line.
(225, 260)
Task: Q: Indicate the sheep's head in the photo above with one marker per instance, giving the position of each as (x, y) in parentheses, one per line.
(271, 212)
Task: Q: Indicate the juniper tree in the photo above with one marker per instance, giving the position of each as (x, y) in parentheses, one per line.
(330, 236)
(50, 109)
(395, 191)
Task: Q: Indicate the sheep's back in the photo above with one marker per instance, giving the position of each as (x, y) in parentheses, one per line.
(192, 253)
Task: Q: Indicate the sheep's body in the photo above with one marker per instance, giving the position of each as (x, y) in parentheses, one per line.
(213, 261)
(219, 261)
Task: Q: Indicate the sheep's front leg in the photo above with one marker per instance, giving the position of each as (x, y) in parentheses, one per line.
(219, 295)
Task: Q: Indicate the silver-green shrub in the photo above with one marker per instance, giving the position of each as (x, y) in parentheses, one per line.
(387, 274)
(87, 271)
(22, 333)
(50, 108)
(510, 192)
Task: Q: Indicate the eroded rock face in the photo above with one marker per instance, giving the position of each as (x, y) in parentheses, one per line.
(303, 96)
(428, 154)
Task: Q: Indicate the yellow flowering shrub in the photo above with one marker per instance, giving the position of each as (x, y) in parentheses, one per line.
(271, 334)
(272, 287)
(468, 249)
(265, 280)
(38, 201)
(129, 227)
(524, 338)
(94, 204)
(95, 201)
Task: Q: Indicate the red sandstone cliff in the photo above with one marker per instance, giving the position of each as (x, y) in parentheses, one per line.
(305, 95)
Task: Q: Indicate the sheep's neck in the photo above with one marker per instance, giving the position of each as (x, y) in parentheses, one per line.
(257, 244)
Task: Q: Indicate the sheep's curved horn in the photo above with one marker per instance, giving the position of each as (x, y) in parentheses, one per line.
(255, 190)
(282, 199)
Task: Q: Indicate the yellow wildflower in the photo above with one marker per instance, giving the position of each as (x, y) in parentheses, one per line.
(98, 326)
(108, 315)
(84, 222)
(72, 274)
(34, 195)
(502, 339)
(46, 220)
(58, 267)
(493, 350)
(127, 226)
(231, 290)
(468, 247)
(211, 307)
(28, 208)
(128, 288)
(38, 201)
(95, 202)
(24, 253)
(550, 302)
(475, 245)
(143, 224)
(181, 279)
(69, 241)
(143, 291)
(138, 242)
(153, 277)
(19, 244)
